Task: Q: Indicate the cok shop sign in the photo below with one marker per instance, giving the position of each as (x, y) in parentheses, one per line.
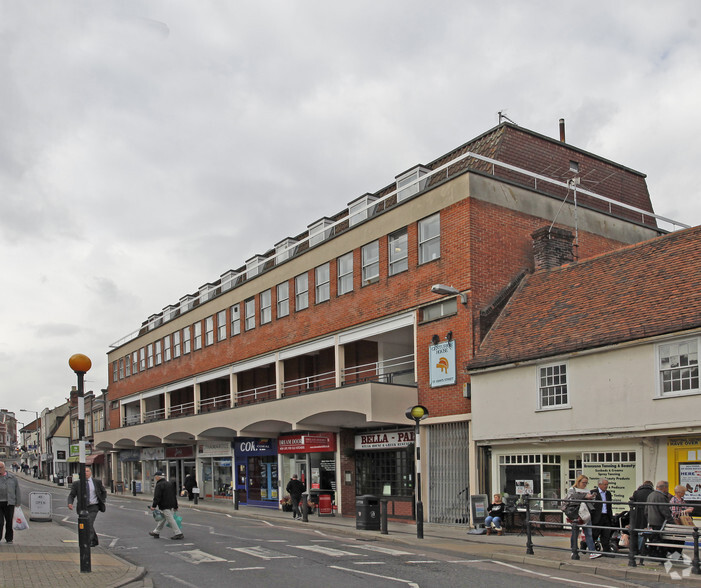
(441, 364)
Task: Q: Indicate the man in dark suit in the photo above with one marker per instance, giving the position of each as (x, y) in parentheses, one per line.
(602, 514)
(95, 498)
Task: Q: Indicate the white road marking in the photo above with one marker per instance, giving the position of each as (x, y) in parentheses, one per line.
(501, 563)
(370, 563)
(328, 550)
(179, 581)
(380, 549)
(245, 569)
(408, 582)
(268, 523)
(263, 553)
(196, 556)
(422, 561)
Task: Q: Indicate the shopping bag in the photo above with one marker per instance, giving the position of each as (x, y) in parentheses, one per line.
(157, 515)
(178, 521)
(19, 523)
(686, 520)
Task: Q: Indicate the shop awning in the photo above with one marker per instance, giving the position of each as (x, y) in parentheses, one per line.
(95, 458)
(73, 459)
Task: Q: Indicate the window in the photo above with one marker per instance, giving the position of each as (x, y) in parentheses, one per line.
(266, 312)
(149, 348)
(135, 361)
(142, 359)
(186, 340)
(284, 250)
(166, 347)
(197, 335)
(375, 470)
(254, 266)
(344, 266)
(227, 280)
(371, 262)
(319, 231)
(398, 252)
(186, 303)
(235, 319)
(221, 325)
(88, 427)
(115, 372)
(159, 352)
(207, 292)
(127, 366)
(323, 279)
(439, 310)
(301, 292)
(121, 369)
(430, 238)
(176, 344)
(679, 367)
(535, 474)
(410, 177)
(250, 312)
(360, 209)
(97, 420)
(209, 330)
(283, 299)
(552, 386)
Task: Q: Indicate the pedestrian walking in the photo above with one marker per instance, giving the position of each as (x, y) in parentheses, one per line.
(165, 499)
(95, 498)
(295, 488)
(190, 483)
(10, 496)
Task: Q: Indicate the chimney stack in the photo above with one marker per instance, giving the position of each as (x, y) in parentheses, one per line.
(562, 130)
(552, 247)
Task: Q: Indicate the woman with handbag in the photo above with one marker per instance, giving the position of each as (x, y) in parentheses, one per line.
(578, 512)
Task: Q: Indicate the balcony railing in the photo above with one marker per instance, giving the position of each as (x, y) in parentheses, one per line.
(216, 403)
(132, 419)
(154, 415)
(313, 383)
(253, 395)
(182, 410)
(397, 370)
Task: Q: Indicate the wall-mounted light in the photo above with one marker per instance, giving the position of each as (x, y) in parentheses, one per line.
(443, 290)
(435, 339)
(449, 336)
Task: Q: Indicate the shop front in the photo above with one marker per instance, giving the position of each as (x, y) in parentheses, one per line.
(130, 473)
(181, 462)
(312, 456)
(257, 479)
(215, 466)
(384, 466)
(153, 460)
(684, 465)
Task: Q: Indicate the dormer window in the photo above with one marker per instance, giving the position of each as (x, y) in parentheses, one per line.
(410, 183)
(254, 266)
(319, 231)
(186, 303)
(227, 280)
(155, 320)
(361, 209)
(206, 292)
(284, 250)
(169, 312)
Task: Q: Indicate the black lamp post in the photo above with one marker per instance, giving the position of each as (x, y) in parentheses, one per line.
(418, 413)
(80, 364)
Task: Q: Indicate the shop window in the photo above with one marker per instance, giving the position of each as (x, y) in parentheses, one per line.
(679, 367)
(552, 386)
(531, 475)
(375, 470)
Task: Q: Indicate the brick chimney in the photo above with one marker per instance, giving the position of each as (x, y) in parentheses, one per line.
(552, 247)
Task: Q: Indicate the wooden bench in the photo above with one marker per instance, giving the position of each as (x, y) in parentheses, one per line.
(682, 534)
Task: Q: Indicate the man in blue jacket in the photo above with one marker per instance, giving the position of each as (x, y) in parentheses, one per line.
(165, 499)
(10, 497)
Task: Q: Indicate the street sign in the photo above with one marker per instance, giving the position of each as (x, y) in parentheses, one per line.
(39, 506)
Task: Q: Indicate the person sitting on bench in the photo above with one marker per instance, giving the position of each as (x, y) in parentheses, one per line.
(496, 513)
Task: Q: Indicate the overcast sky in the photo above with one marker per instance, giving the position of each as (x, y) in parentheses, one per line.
(146, 147)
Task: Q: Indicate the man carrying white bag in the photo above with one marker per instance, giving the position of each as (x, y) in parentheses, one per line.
(10, 497)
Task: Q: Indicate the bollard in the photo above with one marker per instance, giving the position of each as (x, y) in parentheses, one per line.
(133, 487)
(383, 516)
(529, 536)
(196, 494)
(695, 568)
(236, 499)
(305, 508)
(112, 486)
(633, 536)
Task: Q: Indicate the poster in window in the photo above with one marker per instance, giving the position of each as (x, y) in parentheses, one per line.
(524, 487)
(690, 477)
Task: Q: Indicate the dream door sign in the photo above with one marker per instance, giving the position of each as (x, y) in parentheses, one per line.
(441, 364)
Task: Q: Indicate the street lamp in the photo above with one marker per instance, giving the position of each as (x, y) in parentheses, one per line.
(38, 431)
(80, 364)
(418, 413)
(443, 290)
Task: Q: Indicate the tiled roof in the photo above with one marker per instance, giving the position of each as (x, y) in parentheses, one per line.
(647, 289)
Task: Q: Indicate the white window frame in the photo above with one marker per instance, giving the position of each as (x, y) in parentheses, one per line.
(319, 231)
(429, 238)
(197, 335)
(552, 372)
(407, 178)
(159, 352)
(135, 362)
(121, 368)
(398, 256)
(344, 271)
(166, 348)
(284, 250)
(221, 325)
(187, 340)
(683, 367)
(149, 354)
(142, 359)
(322, 283)
(115, 371)
(370, 265)
(301, 291)
(266, 306)
(235, 319)
(249, 309)
(176, 344)
(127, 365)
(361, 209)
(283, 299)
(209, 331)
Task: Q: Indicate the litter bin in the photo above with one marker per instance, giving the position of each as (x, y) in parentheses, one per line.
(367, 512)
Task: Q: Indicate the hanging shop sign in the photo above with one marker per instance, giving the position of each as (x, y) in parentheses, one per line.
(250, 446)
(384, 440)
(180, 451)
(441, 364)
(213, 448)
(311, 443)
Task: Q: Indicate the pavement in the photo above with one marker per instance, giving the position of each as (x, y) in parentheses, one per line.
(47, 554)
